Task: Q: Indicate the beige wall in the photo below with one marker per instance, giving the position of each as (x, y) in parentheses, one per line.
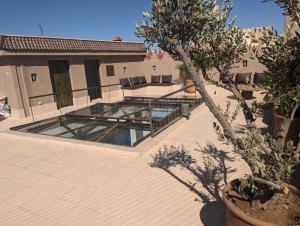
(164, 66)
(133, 64)
(252, 66)
(15, 76)
(23, 66)
(290, 24)
(9, 87)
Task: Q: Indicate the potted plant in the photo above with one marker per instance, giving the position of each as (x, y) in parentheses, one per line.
(280, 55)
(198, 33)
(185, 78)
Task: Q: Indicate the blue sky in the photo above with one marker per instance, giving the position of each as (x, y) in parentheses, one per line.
(103, 19)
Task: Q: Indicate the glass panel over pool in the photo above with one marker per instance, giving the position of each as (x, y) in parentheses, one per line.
(125, 123)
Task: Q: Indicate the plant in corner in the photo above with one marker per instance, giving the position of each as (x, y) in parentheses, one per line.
(198, 33)
(281, 57)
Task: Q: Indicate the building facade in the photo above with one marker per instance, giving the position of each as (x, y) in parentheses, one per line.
(52, 73)
(45, 74)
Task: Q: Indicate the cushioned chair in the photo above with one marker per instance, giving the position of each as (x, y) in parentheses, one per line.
(226, 78)
(258, 78)
(134, 81)
(142, 80)
(166, 79)
(155, 79)
(244, 78)
(124, 82)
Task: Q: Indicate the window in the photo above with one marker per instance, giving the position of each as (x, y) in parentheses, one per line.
(110, 70)
(245, 63)
(34, 77)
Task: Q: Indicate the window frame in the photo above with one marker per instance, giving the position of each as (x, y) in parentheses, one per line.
(110, 70)
(36, 77)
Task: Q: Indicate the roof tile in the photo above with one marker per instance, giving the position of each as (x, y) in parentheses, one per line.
(47, 44)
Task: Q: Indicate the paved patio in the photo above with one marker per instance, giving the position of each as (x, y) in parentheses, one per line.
(48, 182)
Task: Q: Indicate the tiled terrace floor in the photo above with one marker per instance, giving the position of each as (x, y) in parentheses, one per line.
(60, 183)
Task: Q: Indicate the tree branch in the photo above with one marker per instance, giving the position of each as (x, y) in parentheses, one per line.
(297, 155)
(248, 115)
(277, 187)
(250, 120)
(218, 84)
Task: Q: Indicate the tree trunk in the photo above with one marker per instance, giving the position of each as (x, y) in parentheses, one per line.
(228, 131)
(297, 155)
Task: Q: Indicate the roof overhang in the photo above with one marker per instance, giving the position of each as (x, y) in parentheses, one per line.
(11, 45)
(5, 54)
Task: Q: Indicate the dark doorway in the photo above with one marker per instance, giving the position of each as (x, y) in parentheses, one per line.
(93, 79)
(61, 84)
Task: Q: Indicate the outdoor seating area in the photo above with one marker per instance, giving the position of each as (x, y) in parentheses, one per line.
(249, 78)
(247, 83)
(137, 82)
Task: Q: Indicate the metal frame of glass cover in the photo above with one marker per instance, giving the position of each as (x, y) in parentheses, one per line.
(124, 123)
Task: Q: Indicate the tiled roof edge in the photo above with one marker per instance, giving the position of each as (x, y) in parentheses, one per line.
(64, 38)
(13, 43)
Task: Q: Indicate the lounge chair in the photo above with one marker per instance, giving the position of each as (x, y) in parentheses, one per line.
(166, 80)
(133, 82)
(227, 78)
(243, 78)
(161, 80)
(258, 78)
(137, 82)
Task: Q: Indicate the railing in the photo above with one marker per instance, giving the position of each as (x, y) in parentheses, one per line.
(172, 103)
(68, 101)
(157, 113)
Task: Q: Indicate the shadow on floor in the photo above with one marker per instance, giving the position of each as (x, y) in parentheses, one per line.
(231, 97)
(213, 213)
(266, 113)
(210, 176)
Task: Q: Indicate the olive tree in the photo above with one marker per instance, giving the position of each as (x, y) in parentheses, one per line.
(182, 28)
(281, 56)
(199, 33)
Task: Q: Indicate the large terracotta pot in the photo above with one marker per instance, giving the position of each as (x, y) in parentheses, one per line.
(280, 122)
(191, 89)
(236, 217)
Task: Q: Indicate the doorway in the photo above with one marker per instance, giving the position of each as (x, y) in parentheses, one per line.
(93, 79)
(61, 83)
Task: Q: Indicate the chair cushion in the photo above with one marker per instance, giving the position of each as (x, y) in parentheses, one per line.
(258, 78)
(166, 79)
(124, 82)
(142, 79)
(155, 78)
(226, 78)
(134, 81)
(242, 78)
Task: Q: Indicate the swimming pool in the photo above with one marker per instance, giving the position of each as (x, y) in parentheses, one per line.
(125, 123)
